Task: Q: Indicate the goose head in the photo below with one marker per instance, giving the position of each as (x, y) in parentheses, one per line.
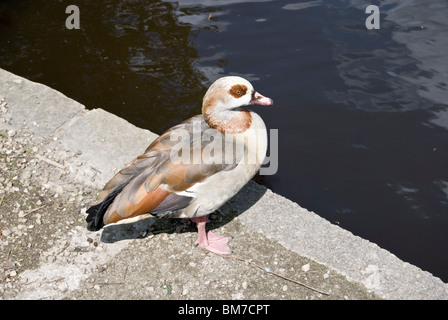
(223, 103)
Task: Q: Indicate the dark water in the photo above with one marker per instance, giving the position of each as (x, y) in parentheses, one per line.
(362, 114)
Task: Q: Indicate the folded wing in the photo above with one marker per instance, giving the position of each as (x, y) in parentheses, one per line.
(158, 181)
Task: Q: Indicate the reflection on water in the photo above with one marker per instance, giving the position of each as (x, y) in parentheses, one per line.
(362, 114)
(129, 57)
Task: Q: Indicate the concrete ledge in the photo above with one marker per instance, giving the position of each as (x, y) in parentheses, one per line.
(359, 260)
(95, 144)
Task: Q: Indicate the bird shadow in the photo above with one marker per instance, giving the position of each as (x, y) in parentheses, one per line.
(236, 206)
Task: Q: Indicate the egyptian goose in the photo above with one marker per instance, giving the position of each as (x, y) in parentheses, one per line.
(193, 168)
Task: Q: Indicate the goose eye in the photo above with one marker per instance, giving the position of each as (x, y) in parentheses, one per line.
(238, 90)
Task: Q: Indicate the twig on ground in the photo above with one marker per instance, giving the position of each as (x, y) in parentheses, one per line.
(32, 210)
(109, 283)
(54, 163)
(51, 281)
(46, 282)
(274, 273)
(35, 209)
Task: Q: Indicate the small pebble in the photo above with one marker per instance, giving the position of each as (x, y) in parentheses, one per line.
(63, 287)
(306, 267)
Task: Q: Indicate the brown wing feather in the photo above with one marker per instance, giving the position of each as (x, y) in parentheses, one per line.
(130, 171)
(129, 210)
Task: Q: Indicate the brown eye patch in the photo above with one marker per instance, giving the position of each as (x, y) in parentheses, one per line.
(238, 90)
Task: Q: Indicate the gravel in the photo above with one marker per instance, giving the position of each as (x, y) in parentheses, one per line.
(35, 220)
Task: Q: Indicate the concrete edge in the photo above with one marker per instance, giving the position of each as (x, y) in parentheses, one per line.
(64, 122)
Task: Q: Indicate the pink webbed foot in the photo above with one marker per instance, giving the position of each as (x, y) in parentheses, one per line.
(209, 240)
(215, 243)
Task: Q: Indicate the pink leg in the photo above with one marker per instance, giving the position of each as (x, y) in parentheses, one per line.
(210, 241)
